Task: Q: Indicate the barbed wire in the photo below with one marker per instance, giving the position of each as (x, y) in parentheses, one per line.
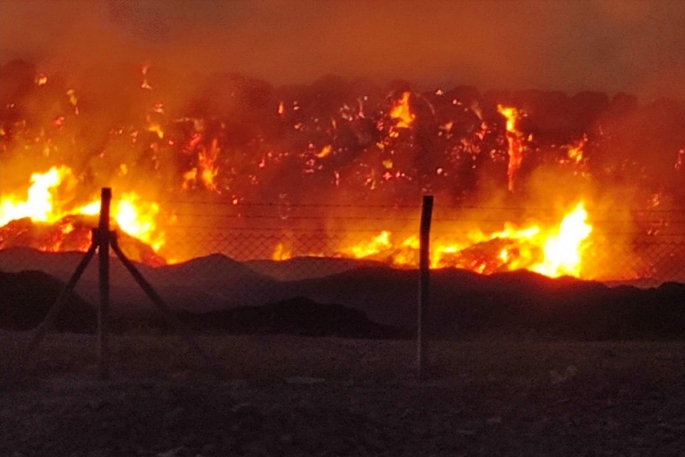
(382, 206)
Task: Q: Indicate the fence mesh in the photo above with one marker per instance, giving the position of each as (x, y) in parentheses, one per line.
(221, 254)
(643, 250)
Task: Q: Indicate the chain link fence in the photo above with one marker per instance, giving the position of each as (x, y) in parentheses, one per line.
(222, 255)
(644, 250)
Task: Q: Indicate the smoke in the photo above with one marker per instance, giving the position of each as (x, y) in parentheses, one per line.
(571, 46)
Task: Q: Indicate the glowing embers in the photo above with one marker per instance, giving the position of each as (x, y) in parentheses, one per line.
(70, 233)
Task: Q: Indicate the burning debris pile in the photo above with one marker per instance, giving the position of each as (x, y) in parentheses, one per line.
(530, 179)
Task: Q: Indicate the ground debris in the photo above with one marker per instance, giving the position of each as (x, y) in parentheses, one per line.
(488, 405)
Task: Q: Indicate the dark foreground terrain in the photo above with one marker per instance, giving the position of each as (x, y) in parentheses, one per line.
(295, 396)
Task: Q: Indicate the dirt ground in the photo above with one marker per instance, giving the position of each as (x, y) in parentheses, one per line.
(291, 396)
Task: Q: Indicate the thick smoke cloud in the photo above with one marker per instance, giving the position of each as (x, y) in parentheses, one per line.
(612, 45)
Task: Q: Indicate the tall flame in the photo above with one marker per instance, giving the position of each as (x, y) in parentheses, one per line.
(39, 205)
(208, 166)
(514, 139)
(563, 252)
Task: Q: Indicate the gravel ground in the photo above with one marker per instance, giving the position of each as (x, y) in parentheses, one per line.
(286, 396)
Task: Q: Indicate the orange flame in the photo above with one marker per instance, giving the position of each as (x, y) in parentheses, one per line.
(325, 151)
(514, 138)
(281, 252)
(207, 164)
(563, 251)
(133, 216)
(368, 248)
(50, 193)
(552, 251)
(575, 152)
(40, 204)
(402, 113)
(189, 178)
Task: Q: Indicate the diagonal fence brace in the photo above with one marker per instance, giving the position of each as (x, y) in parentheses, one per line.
(61, 300)
(211, 364)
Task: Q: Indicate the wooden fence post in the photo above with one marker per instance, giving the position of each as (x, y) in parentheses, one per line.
(424, 282)
(103, 242)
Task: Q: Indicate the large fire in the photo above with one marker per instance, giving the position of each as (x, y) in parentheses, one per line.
(514, 138)
(245, 147)
(552, 251)
(47, 202)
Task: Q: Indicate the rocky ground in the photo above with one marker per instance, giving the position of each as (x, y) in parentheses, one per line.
(286, 396)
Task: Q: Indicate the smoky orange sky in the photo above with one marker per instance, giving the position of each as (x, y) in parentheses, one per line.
(610, 45)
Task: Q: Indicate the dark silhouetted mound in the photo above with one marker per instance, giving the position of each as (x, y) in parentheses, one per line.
(26, 297)
(526, 303)
(372, 301)
(296, 316)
